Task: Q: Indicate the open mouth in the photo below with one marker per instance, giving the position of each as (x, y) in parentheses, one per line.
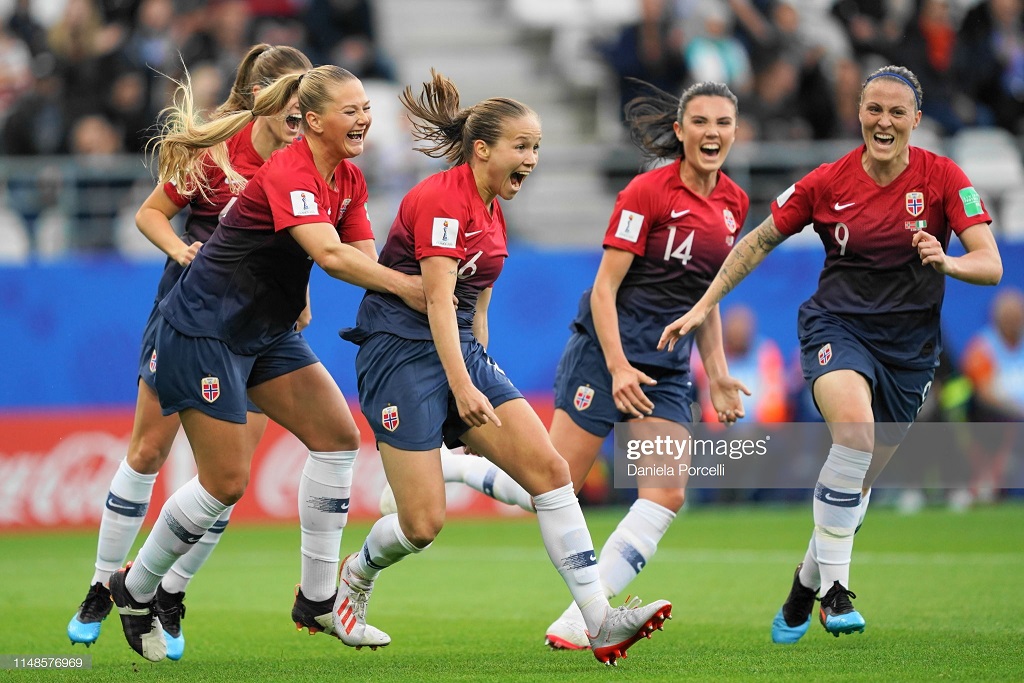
(356, 135)
(517, 179)
(884, 139)
(711, 150)
(293, 121)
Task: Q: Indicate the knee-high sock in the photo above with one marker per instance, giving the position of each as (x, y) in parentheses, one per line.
(385, 545)
(837, 503)
(185, 517)
(567, 540)
(123, 514)
(323, 513)
(810, 573)
(632, 545)
(484, 476)
(178, 577)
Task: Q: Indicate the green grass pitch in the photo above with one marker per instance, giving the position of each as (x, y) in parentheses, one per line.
(941, 593)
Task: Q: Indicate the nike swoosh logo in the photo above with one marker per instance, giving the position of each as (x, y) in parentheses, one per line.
(475, 232)
(830, 497)
(678, 214)
(840, 207)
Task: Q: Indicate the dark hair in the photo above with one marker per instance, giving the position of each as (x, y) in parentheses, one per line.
(261, 66)
(650, 117)
(452, 130)
(899, 73)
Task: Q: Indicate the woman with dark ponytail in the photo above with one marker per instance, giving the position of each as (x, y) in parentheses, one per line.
(427, 379)
(182, 184)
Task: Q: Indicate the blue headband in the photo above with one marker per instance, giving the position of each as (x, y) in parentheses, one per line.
(897, 76)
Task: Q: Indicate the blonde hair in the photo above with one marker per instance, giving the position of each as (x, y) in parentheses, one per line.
(452, 130)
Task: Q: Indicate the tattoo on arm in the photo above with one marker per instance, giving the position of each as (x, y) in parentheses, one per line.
(749, 253)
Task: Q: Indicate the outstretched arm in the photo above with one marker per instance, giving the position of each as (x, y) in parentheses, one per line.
(740, 262)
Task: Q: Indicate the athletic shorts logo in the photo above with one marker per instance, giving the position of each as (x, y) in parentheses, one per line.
(303, 203)
(825, 354)
(445, 232)
(389, 418)
(584, 397)
(915, 203)
(629, 226)
(210, 389)
(152, 362)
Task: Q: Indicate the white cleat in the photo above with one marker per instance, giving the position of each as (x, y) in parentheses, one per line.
(388, 505)
(568, 632)
(625, 625)
(349, 615)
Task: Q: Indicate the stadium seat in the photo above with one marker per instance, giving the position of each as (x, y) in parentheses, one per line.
(15, 245)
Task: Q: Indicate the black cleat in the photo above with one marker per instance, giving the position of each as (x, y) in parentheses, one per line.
(314, 616)
(84, 627)
(794, 618)
(141, 626)
(170, 610)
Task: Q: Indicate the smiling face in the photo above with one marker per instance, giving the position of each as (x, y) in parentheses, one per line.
(888, 114)
(501, 168)
(707, 131)
(346, 118)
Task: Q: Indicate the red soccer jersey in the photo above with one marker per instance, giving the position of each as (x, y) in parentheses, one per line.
(680, 240)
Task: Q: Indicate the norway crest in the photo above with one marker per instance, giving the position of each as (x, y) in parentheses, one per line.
(210, 389)
(584, 397)
(389, 418)
(825, 354)
(915, 203)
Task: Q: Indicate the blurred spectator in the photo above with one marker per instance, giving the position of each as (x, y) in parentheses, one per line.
(651, 50)
(344, 32)
(713, 53)
(94, 141)
(223, 36)
(37, 123)
(927, 49)
(15, 69)
(874, 27)
(151, 51)
(772, 110)
(126, 108)
(848, 78)
(25, 26)
(990, 60)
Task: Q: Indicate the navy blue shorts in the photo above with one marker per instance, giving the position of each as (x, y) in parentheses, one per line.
(404, 393)
(897, 394)
(203, 373)
(147, 361)
(583, 389)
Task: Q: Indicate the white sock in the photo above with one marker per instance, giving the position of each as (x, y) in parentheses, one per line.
(385, 545)
(323, 512)
(177, 578)
(632, 545)
(810, 573)
(484, 476)
(567, 540)
(837, 506)
(185, 517)
(123, 514)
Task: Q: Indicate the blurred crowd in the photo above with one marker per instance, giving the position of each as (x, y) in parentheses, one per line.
(797, 65)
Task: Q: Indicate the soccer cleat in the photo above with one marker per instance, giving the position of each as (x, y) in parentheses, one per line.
(349, 613)
(170, 610)
(314, 616)
(625, 625)
(141, 626)
(84, 627)
(794, 617)
(568, 632)
(388, 505)
(836, 612)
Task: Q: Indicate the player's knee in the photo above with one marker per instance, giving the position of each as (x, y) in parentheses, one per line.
(147, 456)
(671, 499)
(421, 529)
(229, 488)
(859, 436)
(555, 470)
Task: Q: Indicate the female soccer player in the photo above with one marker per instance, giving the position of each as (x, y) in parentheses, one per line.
(670, 230)
(428, 379)
(869, 336)
(152, 433)
(226, 330)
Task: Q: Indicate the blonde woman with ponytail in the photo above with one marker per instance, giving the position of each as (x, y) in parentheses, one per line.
(225, 335)
(181, 185)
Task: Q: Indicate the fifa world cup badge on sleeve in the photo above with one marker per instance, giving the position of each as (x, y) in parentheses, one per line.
(584, 397)
(825, 354)
(389, 418)
(211, 389)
